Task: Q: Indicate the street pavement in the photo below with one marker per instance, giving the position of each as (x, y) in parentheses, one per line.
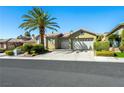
(46, 73)
(67, 55)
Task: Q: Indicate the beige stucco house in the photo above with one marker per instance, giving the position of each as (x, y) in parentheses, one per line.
(78, 40)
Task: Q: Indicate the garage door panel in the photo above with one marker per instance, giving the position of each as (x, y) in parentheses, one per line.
(82, 44)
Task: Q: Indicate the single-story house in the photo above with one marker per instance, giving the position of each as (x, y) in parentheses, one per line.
(79, 40)
(116, 33)
(3, 43)
(13, 43)
(10, 43)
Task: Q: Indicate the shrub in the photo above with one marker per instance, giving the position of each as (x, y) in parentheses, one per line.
(38, 48)
(121, 47)
(2, 50)
(33, 49)
(101, 45)
(104, 53)
(27, 34)
(9, 52)
(27, 48)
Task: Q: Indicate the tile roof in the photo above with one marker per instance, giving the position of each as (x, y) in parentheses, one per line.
(54, 35)
(116, 28)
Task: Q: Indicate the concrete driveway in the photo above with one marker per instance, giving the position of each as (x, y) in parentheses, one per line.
(62, 54)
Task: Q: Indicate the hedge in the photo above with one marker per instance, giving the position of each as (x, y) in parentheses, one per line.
(104, 53)
(9, 52)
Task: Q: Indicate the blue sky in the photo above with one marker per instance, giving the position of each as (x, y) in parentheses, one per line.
(96, 19)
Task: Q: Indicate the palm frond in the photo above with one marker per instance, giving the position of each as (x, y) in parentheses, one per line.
(51, 19)
(52, 28)
(38, 11)
(32, 13)
(27, 17)
(32, 29)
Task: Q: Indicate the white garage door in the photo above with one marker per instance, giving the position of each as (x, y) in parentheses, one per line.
(83, 44)
(65, 44)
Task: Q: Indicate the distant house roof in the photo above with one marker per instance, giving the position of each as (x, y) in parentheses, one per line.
(66, 35)
(116, 28)
(29, 41)
(24, 37)
(4, 40)
(54, 35)
(13, 40)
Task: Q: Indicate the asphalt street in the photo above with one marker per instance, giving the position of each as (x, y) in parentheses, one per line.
(41, 73)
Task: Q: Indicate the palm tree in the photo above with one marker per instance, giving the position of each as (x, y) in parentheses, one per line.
(38, 19)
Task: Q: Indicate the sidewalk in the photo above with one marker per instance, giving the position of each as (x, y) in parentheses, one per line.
(93, 59)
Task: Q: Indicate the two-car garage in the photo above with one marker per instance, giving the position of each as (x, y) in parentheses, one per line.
(78, 44)
(83, 44)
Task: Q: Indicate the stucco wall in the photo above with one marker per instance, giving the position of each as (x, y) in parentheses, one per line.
(51, 43)
(3, 45)
(86, 35)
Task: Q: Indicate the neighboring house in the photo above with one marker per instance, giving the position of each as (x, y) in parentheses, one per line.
(3, 43)
(116, 33)
(13, 43)
(79, 40)
(9, 43)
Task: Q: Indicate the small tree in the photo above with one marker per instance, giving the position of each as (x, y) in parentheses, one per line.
(99, 38)
(121, 47)
(27, 34)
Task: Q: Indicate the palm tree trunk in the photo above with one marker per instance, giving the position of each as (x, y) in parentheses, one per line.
(42, 33)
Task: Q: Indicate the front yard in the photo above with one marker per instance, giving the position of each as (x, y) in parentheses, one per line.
(102, 48)
(26, 50)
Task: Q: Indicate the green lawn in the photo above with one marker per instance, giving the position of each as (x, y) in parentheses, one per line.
(119, 54)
